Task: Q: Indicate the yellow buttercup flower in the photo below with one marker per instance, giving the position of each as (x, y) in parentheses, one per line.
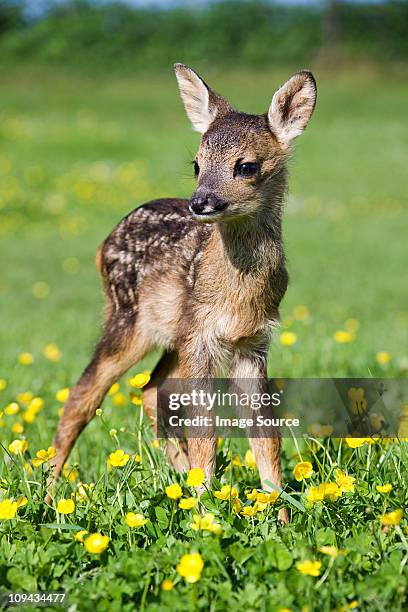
(167, 585)
(250, 460)
(188, 503)
(344, 482)
(27, 468)
(392, 518)
(62, 395)
(302, 470)
(70, 473)
(301, 313)
(174, 491)
(262, 497)
(195, 477)
(320, 431)
(155, 443)
(29, 416)
(190, 567)
(119, 400)
(17, 428)
(12, 408)
(25, 397)
(352, 325)
(40, 290)
(44, 455)
(385, 488)
(119, 458)
(34, 407)
(226, 492)
(383, 357)
(79, 535)
(8, 509)
(26, 359)
(326, 491)
(135, 520)
(18, 447)
(206, 522)
(140, 380)
(250, 510)
(21, 501)
(331, 551)
(343, 337)
(65, 506)
(353, 605)
(36, 404)
(356, 442)
(267, 498)
(252, 495)
(114, 389)
(288, 338)
(3, 384)
(236, 505)
(83, 491)
(96, 543)
(136, 399)
(52, 352)
(236, 461)
(310, 568)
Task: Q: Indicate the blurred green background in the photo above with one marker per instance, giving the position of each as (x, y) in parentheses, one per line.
(91, 125)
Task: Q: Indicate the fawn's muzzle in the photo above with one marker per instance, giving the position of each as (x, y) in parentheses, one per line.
(206, 205)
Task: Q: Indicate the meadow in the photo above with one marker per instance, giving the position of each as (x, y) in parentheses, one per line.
(77, 153)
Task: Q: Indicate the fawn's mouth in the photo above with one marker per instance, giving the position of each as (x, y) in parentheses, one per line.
(209, 217)
(208, 214)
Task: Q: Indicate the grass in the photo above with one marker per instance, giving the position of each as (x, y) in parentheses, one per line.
(76, 154)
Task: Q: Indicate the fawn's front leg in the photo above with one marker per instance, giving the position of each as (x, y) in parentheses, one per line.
(198, 363)
(249, 374)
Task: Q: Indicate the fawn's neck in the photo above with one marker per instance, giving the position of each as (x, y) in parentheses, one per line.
(252, 246)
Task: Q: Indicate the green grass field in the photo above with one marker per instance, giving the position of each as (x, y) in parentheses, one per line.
(76, 154)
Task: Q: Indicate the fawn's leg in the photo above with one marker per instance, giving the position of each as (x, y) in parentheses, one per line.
(249, 374)
(167, 367)
(115, 353)
(197, 363)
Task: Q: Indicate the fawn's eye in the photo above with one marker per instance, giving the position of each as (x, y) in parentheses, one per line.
(247, 169)
(196, 168)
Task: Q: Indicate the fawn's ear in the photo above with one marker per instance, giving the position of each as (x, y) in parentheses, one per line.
(202, 104)
(292, 106)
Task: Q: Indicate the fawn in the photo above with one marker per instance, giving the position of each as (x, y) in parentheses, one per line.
(202, 278)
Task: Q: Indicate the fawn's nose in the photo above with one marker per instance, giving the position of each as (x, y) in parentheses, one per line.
(206, 204)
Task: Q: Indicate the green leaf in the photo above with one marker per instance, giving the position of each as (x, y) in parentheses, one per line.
(278, 555)
(19, 580)
(286, 496)
(325, 537)
(240, 553)
(162, 518)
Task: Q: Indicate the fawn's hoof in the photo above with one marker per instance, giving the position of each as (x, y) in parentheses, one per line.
(283, 515)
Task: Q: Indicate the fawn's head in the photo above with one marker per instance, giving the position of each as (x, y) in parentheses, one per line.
(240, 164)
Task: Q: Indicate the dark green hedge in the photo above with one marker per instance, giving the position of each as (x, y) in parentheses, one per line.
(249, 32)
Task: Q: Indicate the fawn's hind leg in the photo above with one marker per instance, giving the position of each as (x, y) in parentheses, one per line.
(167, 367)
(115, 353)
